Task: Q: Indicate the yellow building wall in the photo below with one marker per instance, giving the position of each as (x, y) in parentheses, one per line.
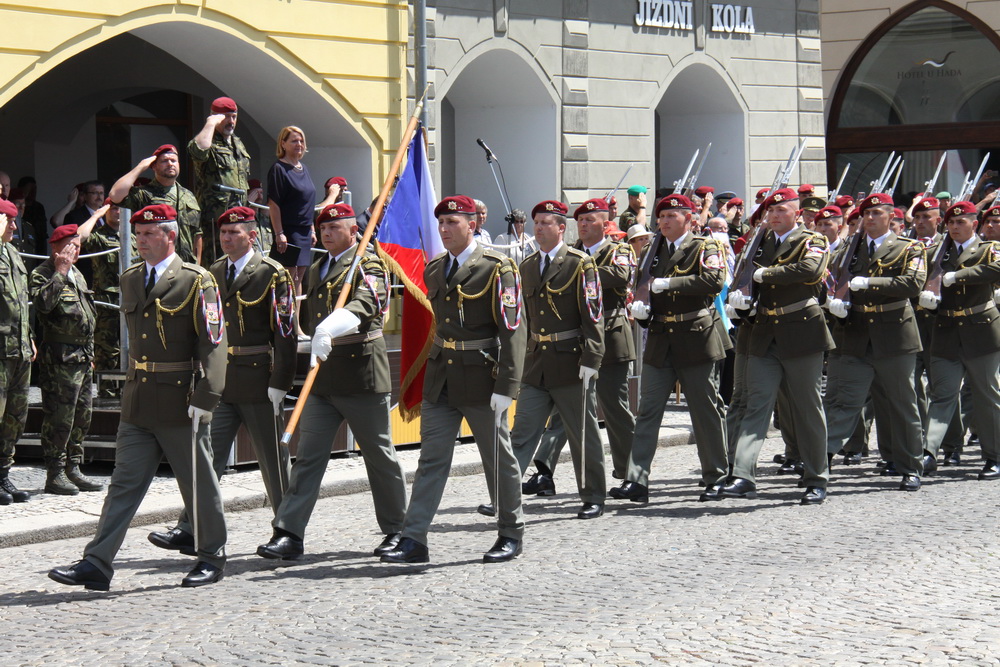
(353, 52)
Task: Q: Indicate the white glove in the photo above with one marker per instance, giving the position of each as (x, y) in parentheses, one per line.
(277, 398)
(587, 374)
(859, 283)
(203, 416)
(739, 300)
(500, 403)
(929, 300)
(312, 360)
(838, 307)
(338, 323)
(732, 313)
(948, 279)
(639, 310)
(758, 276)
(659, 285)
(996, 296)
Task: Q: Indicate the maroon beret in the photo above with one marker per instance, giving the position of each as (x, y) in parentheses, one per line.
(671, 202)
(927, 204)
(875, 199)
(338, 211)
(843, 201)
(612, 202)
(63, 232)
(549, 206)
(236, 214)
(960, 208)
(898, 213)
(855, 214)
(591, 206)
(829, 212)
(455, 204)
(779, 197)
(223, 105)
(253, 184)
(154, 213)
(806, 189)
(704, 190)
(7, 208)
(165, 148)
(992, 211)
(335, 180)
(762, 192)
(734, 202)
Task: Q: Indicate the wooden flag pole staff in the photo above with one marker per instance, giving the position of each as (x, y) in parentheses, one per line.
(300, 404)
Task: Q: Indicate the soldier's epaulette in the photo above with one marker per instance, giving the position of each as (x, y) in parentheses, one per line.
(570, 250)
(369, 260)
(273, 263)
(494, 254)
(908, 240)
(138, 266)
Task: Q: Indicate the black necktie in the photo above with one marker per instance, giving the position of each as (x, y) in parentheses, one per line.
(958, 251)
(231, 275)
(588, 251)
(545, 265)
(150, 281)
(451, 270)
(671, 249)
(871, 249)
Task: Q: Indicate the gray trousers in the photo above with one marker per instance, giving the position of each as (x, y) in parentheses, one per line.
(887, 378)
(701, 389)
(263, 427)
(533, 407)
(619, 422)
(954, 435)
(137, 455)
(439, 427)
(802, 376)
(946, 379)
(368, 417)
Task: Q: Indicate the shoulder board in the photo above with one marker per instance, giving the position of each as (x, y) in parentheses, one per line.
(577, 253)
(194, 268)
(494, 254)
(369, 259)
(814, 235)
(437, 260)
(219, 262)
(908, 240)
(273, 263)
(135, 267)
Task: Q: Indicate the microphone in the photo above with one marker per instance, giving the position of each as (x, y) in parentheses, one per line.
(219, 187)
(486, 148)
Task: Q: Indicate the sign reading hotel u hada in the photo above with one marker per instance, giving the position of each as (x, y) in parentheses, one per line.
(679, 15)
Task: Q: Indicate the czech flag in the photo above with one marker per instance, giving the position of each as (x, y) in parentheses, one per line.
(407, 238)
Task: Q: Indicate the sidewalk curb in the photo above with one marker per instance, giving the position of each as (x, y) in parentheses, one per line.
(65, 525)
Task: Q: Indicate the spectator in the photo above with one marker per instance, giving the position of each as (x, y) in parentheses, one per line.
(515, 243)
(34, 212)
(80, 204)
(480, 233)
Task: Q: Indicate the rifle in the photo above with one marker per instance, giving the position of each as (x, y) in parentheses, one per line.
(612, 191)
(743, 271)
(899, 170)
(929, 185)
(936, 270)
(879, 183)
(691, 182)
(971, 184)
(842, 278)
(836, 191)
(679, 185)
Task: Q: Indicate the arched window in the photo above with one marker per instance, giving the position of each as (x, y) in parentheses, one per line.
(925, 81)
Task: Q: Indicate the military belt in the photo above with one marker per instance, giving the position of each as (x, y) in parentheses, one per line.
(683, 317)
(358, 337)
(964, 312)
(247, 350)
(552, 338)
(162, 366)
(879, 308)
(51, 337)
(790, 308)
(462, 345)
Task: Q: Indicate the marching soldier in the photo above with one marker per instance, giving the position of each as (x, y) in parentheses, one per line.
(220, 159)
(473, 372)
(67, 317)
(786, 345)
(966, 336)
(616, 268)
(107, 334)
(564, 312)
(879, 339)
(257, 304)
(352, 384)
(684, 343)
(173, 315)
(17, 351)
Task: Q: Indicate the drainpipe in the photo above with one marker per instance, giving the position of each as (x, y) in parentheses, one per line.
(420, 46)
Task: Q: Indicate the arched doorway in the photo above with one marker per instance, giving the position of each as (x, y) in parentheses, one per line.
(925, 81)
(152, 85)
(699, 106)
(499, 98)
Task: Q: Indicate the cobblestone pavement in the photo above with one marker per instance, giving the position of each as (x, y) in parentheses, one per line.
(873, 576)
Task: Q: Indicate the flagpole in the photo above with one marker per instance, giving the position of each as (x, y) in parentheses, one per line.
(300, 404)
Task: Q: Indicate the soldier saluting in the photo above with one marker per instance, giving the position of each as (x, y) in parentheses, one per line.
(473, 371)
(174, 322)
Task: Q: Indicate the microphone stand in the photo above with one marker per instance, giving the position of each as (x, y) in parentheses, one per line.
(490, 158)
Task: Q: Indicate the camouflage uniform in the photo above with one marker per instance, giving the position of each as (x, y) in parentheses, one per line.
(15, 352)
(66, 318)
(183, 201)
(107, 335)
(225, 164)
